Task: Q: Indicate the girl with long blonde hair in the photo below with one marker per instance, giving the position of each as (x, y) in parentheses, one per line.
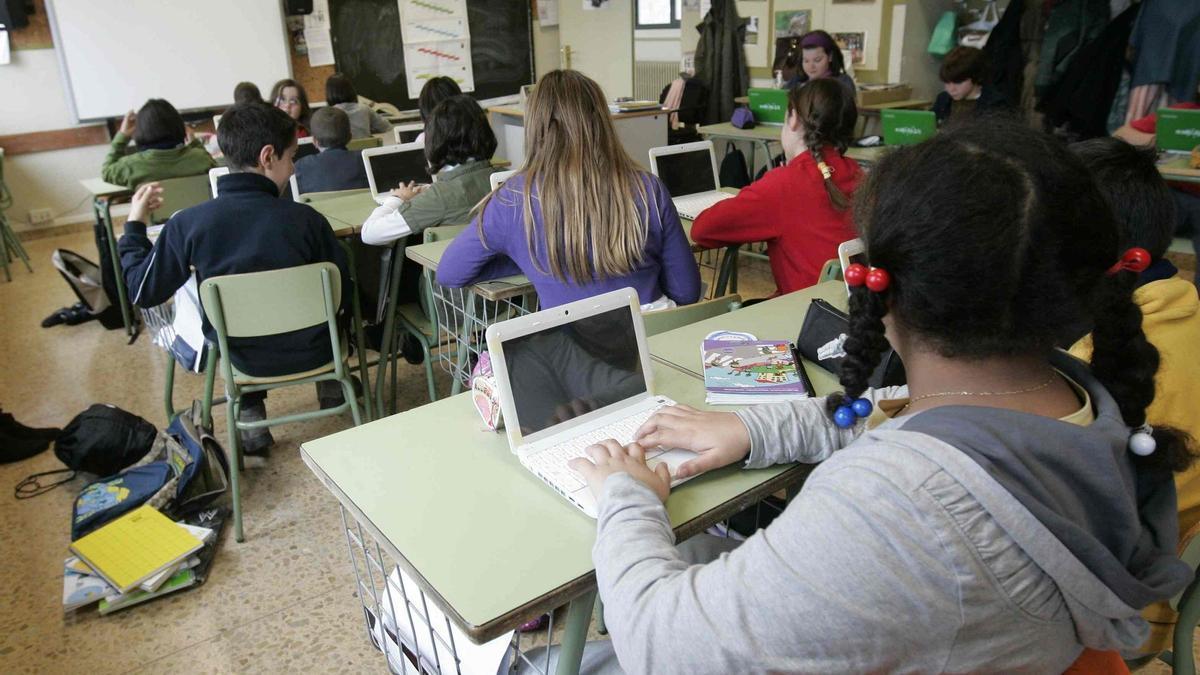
(580, 218)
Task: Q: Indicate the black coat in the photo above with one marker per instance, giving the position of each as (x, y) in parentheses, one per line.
(721, 59)
(1084, 95)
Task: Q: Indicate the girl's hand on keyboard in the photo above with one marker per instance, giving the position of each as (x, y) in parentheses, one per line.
(720, 438)
(608, 457)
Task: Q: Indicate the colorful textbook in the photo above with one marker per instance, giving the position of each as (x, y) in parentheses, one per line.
(741, 371)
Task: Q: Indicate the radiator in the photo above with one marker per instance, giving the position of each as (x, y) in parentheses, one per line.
(649, 78)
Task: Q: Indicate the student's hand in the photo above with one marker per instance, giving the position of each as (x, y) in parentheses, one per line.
(147, 198)
(609, 457)
(408, 190)
(720, 438)
(128, 124)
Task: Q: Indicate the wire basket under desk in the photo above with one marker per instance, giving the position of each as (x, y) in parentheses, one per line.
(462, 316)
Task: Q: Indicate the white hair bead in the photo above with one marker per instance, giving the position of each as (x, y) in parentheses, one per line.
(1142, 442)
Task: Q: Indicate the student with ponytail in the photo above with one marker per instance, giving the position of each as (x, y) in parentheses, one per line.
(802, 210)
(1006, 511)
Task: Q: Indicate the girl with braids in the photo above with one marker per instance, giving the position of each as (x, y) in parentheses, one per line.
(801, 209)
(1005, 512)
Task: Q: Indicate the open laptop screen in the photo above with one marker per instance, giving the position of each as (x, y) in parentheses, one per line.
(304, 150)
(568, 370)
(393, 168)
(686, 173)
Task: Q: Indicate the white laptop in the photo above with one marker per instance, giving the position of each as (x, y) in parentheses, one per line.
(217, 172)
(304, 148)
(570, 377)
(409, 132)
(689, 171)
(497, 178)
(391, 165)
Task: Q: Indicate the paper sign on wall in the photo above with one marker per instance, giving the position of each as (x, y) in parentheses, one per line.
(5, 53)
(437, 42)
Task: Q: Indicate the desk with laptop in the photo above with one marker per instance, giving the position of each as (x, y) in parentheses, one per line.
(513, 539)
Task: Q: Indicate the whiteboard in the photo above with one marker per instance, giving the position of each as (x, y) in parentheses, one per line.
(115, 54)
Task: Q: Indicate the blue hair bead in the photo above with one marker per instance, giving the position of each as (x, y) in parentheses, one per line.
(844, 416)
(861, 407)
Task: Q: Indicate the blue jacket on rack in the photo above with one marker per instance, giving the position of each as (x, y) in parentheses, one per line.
(248, 228)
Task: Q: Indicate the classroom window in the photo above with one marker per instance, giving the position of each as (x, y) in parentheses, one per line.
(659, 13)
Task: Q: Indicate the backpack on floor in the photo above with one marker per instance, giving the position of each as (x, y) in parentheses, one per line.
(183, 473)
(101, 440)
(86, 281)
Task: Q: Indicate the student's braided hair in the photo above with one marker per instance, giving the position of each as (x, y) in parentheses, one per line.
(996, 238)
(827, 115)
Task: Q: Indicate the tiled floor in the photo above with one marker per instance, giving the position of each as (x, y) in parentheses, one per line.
(282, 601)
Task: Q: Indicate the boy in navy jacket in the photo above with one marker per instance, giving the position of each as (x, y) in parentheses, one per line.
(334, 167)
(248, 228)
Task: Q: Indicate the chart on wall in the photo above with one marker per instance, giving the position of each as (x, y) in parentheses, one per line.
(437, 42)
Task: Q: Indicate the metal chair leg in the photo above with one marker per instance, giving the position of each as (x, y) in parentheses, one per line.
(235, 462)
(169, 387)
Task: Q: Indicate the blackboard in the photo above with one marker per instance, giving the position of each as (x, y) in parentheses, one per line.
(368, 47)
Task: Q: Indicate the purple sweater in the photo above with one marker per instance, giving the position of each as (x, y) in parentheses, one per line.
(668, 267)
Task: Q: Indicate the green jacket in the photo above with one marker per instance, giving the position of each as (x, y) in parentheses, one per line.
(447, 202)
(132, 169)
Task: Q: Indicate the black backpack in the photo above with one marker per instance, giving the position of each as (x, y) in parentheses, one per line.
(101, 440)
(734, 173)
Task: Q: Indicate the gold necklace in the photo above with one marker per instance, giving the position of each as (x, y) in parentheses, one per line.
(1027, 390)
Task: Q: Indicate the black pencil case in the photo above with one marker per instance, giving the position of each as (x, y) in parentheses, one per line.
(821, 338)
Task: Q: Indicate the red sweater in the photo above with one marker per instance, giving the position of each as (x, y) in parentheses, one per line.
(789, 209)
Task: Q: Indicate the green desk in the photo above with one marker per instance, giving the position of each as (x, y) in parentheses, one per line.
(777, 318)
(491, 544)
(347, 213)
(762, 135)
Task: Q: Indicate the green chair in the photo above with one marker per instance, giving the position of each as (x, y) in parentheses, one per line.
(269, 303)
(830, 271)
(414, 318)
(364, 143)
(1181, 657)
(10, 246)
(670, 319)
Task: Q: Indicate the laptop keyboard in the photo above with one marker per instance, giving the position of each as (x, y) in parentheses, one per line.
(690, 206)
(551, 463)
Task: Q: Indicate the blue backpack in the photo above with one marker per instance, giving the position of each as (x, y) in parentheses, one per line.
(184, 471)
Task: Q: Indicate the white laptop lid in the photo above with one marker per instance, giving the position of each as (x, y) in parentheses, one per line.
(390, 165)
(563, 367)
(497, 179)
(305, 147)
(214, 174)
(408, 132)
(686, 169)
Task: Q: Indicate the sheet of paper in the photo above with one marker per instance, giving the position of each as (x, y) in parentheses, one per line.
(320, 48)
(437, 42)
(547, 12)
(5, 52)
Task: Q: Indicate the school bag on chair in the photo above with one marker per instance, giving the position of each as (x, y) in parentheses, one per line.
(733, 168)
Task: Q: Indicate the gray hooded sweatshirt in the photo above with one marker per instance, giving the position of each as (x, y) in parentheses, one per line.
(959, 539)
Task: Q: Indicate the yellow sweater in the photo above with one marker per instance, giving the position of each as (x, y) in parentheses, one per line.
(1171, 320)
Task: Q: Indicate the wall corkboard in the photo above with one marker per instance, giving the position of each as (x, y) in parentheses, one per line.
(37, 34)
(311, 77)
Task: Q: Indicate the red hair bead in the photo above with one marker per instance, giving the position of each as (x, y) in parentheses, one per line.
(878, 280)
(1134, 260)
(855, 274)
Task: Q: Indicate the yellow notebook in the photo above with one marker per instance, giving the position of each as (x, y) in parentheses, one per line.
(134, 547)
